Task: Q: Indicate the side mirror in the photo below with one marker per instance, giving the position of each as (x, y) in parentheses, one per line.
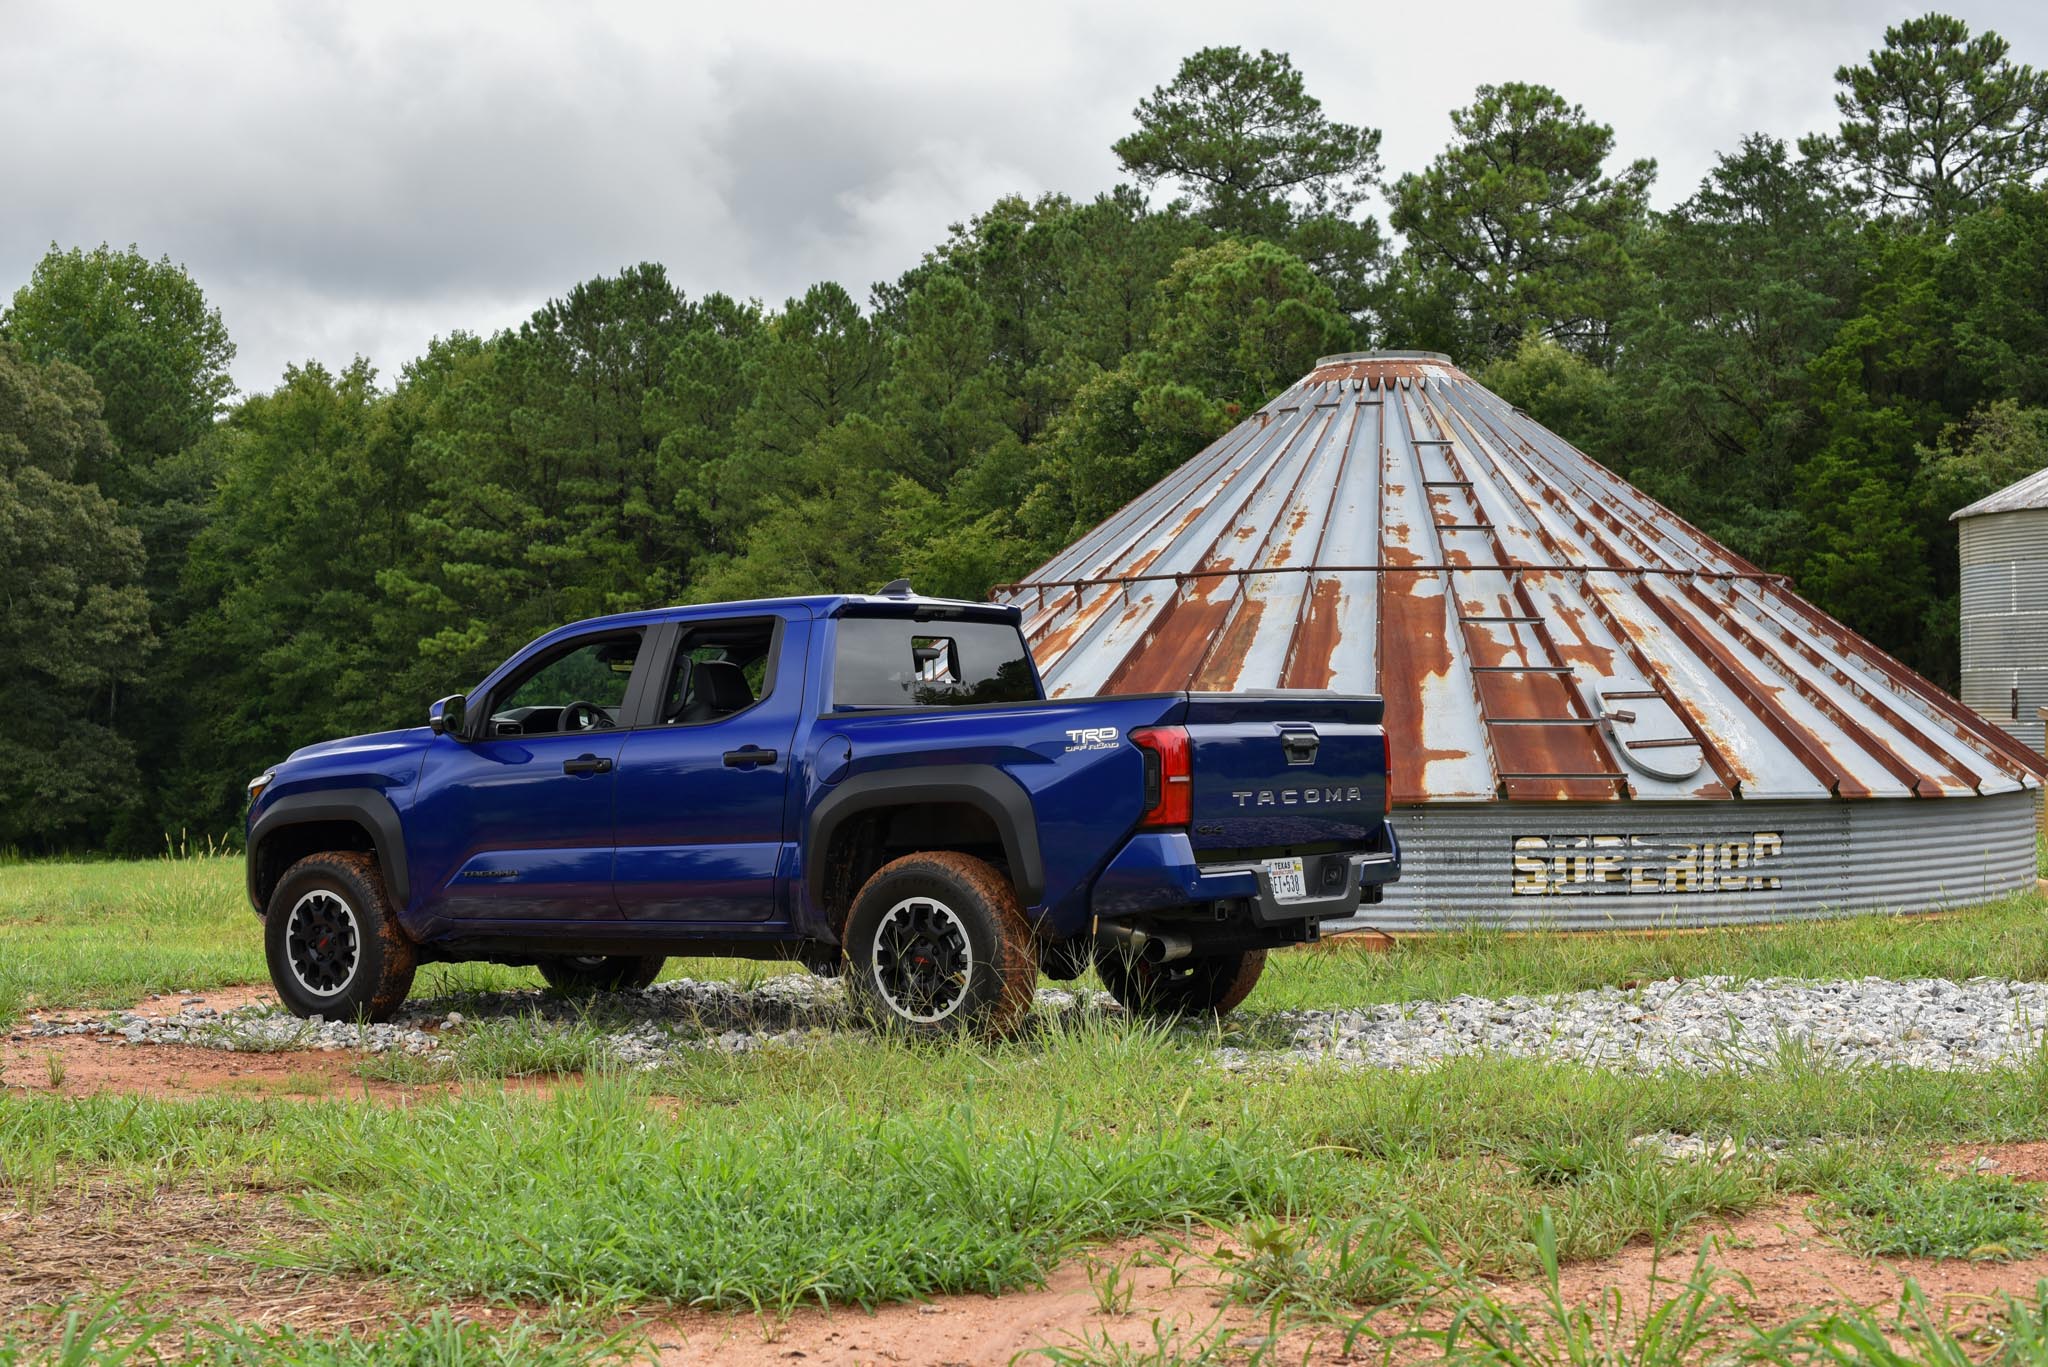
(445, 716)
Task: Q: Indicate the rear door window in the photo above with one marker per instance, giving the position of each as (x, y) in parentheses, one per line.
(896, 662)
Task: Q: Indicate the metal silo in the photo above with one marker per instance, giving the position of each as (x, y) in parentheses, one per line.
(1597, 715)
(2005, 606)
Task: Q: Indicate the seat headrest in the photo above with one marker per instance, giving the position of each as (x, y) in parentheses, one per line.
(721, 686)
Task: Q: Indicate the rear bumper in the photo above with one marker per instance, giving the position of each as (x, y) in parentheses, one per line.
(1157, 871)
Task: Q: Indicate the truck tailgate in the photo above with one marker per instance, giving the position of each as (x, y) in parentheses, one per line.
(1284, 772)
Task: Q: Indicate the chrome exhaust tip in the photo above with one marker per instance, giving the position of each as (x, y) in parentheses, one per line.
(1151, 946)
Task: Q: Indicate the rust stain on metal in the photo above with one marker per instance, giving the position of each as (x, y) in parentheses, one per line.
(1580, 648)
(1312, 655)
(1219, 670)
(1413, 651)
(1171, 650)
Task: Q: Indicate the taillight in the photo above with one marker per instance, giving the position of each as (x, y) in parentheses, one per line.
(1387, 793)
(1169, 775)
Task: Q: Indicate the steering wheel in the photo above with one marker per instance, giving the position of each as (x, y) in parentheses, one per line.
(584, 716)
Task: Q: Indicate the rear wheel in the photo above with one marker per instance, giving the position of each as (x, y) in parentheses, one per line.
(1199, 985)
(938, 943)
(578, 974)
(332, 940)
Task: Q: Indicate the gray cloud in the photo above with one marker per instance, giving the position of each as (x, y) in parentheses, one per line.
(349, 178)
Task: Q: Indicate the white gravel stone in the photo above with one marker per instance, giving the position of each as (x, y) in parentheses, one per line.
(1698, 1024)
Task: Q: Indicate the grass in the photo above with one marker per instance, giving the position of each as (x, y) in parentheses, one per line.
(864, 1171)
(108, 933)
(91, 934)
(105, 934)
(1895, 1211)
(1481, 1328)
(856, 1171)
(1321, 1268)
(117, 1332)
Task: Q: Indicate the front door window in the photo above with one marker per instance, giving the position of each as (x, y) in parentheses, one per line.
(580, 689)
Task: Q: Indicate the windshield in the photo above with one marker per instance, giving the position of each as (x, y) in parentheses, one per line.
(896, 662)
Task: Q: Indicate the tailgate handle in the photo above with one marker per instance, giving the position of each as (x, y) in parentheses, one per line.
(1300, 746)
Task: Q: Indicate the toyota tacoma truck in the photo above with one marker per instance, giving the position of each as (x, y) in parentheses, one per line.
(875, 785)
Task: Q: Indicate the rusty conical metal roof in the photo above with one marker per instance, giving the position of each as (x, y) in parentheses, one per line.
(1539, 628)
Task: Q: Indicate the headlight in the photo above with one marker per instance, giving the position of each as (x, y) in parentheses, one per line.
(259, 783)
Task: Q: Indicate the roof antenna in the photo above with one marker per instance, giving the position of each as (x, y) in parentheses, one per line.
(897, 588)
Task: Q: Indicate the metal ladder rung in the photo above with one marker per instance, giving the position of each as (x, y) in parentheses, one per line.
(1447, 484)
(1633, 693)
(1431, 441)
(1585, 778)
(1521, 669)
(1517, 621)
(1660, 743)
(1541, 721)
(1464, 526)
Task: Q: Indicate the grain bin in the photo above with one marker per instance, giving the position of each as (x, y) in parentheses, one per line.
(1598, 716)
(2004, 544)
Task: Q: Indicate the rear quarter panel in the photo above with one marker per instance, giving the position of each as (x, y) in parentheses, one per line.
(1084, 779)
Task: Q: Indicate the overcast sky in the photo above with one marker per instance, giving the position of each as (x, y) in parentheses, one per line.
(354, 178)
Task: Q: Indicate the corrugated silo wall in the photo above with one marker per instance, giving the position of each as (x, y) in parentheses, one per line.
(1642, 865)
(2005, 618)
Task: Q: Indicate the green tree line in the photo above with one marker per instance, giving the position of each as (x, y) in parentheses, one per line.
(1816, 356)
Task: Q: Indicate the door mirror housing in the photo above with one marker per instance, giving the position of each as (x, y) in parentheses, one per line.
(445, 716)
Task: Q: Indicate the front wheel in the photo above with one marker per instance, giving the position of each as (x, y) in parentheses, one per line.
(938, 943)
(333, 942)
(579, 974)
(1199, 985)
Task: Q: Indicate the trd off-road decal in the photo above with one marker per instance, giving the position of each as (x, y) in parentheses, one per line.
(1092, 738)
(1645, 865)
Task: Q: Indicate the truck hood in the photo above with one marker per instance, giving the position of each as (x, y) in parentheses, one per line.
(373, 748)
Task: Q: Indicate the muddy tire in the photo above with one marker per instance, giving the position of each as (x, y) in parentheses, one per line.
(576, 975)
(937, 944)
(1200, 985)
(333, 942)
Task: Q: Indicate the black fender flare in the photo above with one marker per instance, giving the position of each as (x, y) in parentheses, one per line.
(366, 807)
(982, 786)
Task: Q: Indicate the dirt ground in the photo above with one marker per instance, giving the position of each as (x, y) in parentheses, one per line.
(88, 1065)
(186, 1249)
(1787, 1265)
(193, 1247)
(191, 1250)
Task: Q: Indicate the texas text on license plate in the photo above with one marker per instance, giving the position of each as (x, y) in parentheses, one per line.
(1289, 883)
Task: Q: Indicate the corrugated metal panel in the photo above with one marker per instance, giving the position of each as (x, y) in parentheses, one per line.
(2005, 619)
(1541, 630)
(1639, 865)
(2031, 492)
(2004, 537)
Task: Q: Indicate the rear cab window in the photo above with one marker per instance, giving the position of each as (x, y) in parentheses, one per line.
(938, 662)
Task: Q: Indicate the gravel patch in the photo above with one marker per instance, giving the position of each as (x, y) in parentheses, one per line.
(1698, 1024)
(643, 1028)
(1695, 1025)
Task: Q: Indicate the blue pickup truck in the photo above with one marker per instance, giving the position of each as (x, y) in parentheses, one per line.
(874, 785)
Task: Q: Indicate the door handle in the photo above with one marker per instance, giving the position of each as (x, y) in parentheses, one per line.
(747, 756)
(586, 764)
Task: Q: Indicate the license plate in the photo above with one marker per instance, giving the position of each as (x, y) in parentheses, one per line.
(1289, 883)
